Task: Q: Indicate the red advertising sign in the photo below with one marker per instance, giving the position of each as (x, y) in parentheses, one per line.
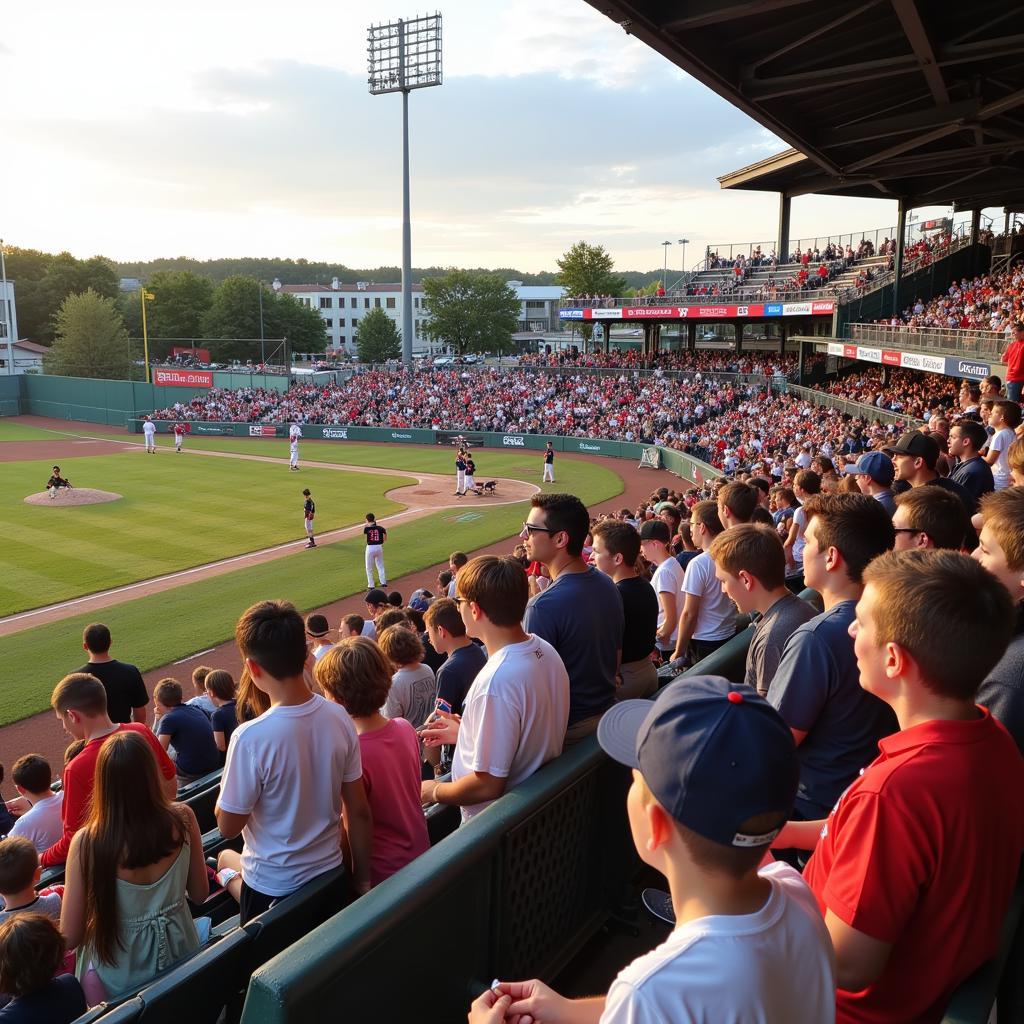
(890, 358)
(849, 351)
(183, 378)
(823, 307)
(631, 312)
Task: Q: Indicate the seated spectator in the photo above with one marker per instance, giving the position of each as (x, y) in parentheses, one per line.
(413, 686)
(580, 614)
(188, 728)
(80, 703)
(221, 689)
(31, 954)
(392, 617)
(356, 675)
(19, 874)
(750, 564)
(1004, 420)
(708, 617)
(395, 599)
(714, 774)
(874, 473)
(667, 581)
(318, 635)
(929, 517)
(1001, 551)
(464, 660)
(515, 714)
(736, 504)
(836, 724)
(351, 625)
(1015, 456)
(129, 870)
(41, 823)
(432, 658)
(376, 603)
(127, 699)
(288, 774)
(914, 455)
(616, 554)
(897, 863)
(201, 699)
(972, 472)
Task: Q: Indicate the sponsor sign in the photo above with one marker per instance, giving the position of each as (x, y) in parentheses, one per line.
(336, 433)
(715, 311)
(915, 361)
(823, 307)
(869, 355)
(891, 358)
(634, 312)
(849, 351)
(513, 441)
(183, 378)
(570, 314)
(773, 309)
(957, 367)
(835, 349)
(604, 314)
(584, 447)
(796, 308)
(262, 430)
(209, 428)
(398, 436)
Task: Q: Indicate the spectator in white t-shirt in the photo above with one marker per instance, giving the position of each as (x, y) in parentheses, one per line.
(714, 770)
(667, 581)
(806, 483)
(708, 617)
(41, 821)
(1005, 419)
(289, 774)
(515, 713)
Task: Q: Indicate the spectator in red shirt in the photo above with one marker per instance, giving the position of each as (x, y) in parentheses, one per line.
(917, 861)
(80, 702)
(1014, 359)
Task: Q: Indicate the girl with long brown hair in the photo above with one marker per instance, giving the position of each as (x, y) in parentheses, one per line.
(128, 871)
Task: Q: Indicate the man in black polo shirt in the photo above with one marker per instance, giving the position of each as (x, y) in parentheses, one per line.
(972, 473)
(915, 455)
(126, 693)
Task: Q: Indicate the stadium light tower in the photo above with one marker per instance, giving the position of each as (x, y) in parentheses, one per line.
(664, 273)
(683, 242)
(405, 55)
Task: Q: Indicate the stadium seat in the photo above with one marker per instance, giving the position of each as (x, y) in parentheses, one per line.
(127, 1012)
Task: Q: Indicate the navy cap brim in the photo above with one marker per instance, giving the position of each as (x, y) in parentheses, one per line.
(619, 728)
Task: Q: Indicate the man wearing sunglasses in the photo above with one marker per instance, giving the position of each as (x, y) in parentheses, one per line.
(580, 613)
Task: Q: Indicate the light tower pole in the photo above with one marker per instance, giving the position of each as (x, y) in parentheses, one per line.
(664, 273)
(683, 242)
(405, 55)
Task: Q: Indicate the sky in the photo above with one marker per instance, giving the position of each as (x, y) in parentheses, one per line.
(228, 129)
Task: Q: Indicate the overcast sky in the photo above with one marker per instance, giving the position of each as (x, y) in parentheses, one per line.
(245, 129)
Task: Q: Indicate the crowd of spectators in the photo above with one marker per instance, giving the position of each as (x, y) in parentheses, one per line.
(765, 364)
(913, 392)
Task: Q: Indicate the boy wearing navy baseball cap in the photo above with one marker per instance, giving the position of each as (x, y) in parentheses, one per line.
(715, 773)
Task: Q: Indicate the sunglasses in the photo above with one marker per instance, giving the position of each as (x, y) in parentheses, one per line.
(530, 528)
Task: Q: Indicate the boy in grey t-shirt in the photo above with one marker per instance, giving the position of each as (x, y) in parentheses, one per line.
(19, 872)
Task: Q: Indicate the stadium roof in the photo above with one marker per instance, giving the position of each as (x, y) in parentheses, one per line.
(878, 98)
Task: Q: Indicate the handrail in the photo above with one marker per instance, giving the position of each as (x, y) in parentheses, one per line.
(956, 341)
(861, 409)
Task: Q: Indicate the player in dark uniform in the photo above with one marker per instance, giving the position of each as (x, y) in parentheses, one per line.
(308, 512)
(470, 477)
(56, 482)
(549, 463)
(375, 536)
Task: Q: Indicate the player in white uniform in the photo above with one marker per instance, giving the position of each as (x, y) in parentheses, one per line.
(149, 432)
(293, 453)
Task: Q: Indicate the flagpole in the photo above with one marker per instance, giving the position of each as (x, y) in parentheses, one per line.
(145, 335)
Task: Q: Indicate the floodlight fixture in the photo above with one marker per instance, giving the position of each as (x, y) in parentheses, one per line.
(404, 55)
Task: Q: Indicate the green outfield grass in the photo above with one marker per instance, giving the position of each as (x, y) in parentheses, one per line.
(159, 629)
(177, 511)
(20, 432)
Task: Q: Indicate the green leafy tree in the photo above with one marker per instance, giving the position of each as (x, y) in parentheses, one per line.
(471, 311)
(232, 323)
(586, 269)
(90, 339)
(377, 338)
(181, 299)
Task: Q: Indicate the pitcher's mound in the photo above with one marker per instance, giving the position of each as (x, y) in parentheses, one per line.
(72, 496)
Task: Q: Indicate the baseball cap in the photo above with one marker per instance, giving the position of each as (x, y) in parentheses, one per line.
(713, 753)
(655, 529)
(876, 465)
(920, 446)
(376, 596)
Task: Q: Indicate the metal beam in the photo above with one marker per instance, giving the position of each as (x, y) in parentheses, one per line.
(917, 36)
(904, 147)
(883, 127)
(701, 13)
(761, 89)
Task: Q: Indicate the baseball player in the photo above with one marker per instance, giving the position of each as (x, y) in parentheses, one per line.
(470, 484)
(549, 463)
(308, 512)
(460, 472)
(149, 432)
(294, 431)
(180, 430)
(293, 453)
(375, 537)
(56, 482)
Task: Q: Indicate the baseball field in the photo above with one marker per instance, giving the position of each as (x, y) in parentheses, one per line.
(196, 537)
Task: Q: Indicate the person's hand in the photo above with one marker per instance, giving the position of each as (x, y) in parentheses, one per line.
(534, 1003)
(441, 728)
(489, 1008)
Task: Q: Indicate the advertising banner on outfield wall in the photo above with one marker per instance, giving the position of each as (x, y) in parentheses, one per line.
(182, 378)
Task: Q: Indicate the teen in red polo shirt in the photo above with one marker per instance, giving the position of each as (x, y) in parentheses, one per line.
(916, 864)
(80, 702)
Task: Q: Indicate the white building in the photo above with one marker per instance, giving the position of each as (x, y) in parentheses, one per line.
(28, 357)
(8, 328)
(342, 306)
